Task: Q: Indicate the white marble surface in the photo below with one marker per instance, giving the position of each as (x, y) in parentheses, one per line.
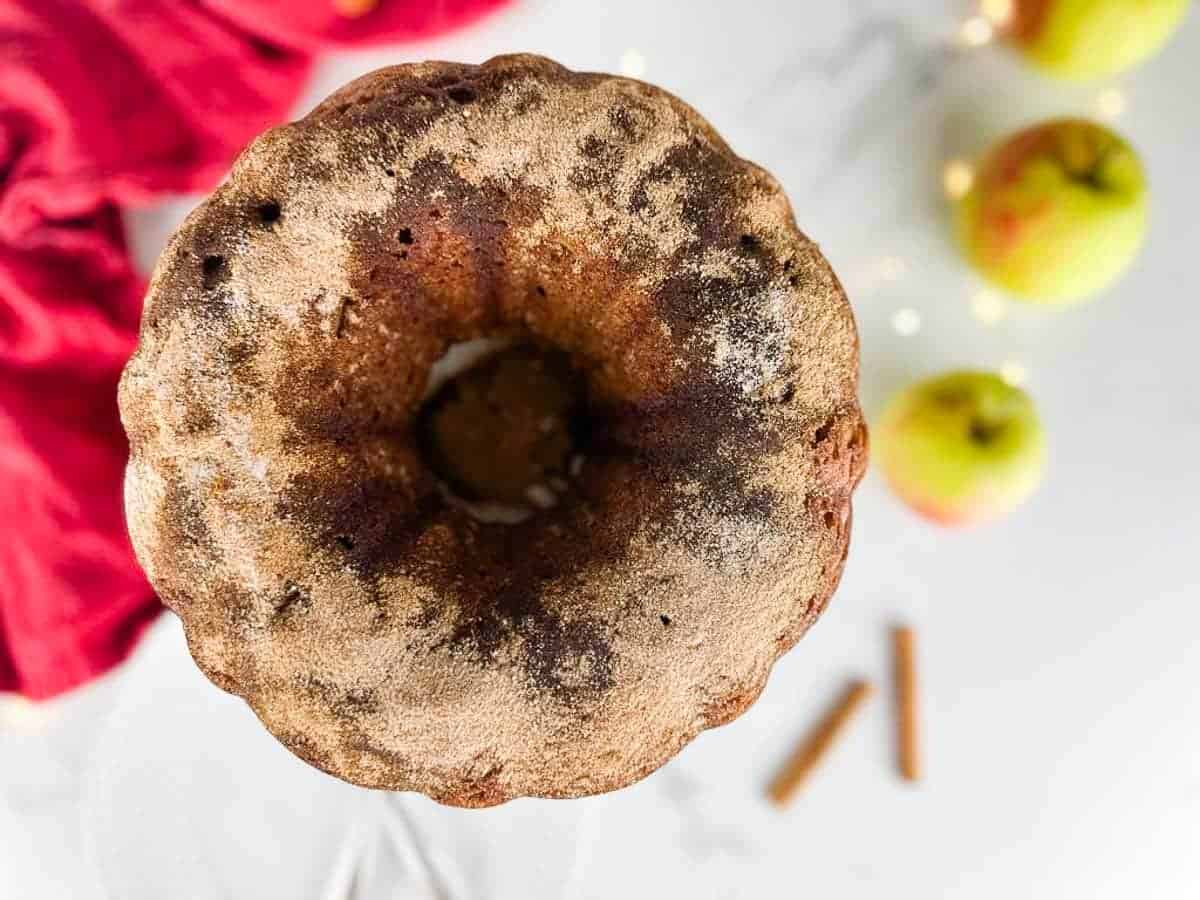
(1060, 649)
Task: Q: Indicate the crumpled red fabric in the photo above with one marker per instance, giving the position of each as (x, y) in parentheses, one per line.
(103, 104)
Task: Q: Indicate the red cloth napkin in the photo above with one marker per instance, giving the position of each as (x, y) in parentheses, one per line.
(106, 103)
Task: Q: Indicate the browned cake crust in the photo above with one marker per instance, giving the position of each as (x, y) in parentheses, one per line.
(279, 503)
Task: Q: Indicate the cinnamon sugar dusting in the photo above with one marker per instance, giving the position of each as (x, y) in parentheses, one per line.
(280, 503)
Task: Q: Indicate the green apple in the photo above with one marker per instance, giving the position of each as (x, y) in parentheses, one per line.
(1081, 39)
(1056, 212)
(961, 448)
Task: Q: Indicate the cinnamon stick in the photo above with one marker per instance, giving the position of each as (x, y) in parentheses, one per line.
(908, 757)
(816, 744)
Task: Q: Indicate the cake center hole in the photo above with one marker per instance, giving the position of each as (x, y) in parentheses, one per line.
(504, 432)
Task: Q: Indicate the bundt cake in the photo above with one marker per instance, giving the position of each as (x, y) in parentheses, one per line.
(674, 391)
